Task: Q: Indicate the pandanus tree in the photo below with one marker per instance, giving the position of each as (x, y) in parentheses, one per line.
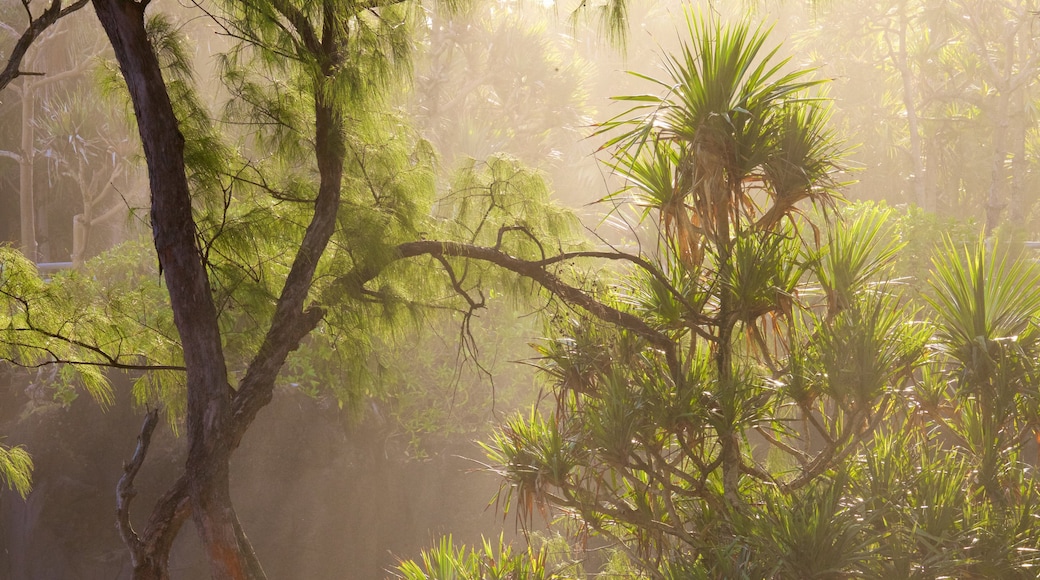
(719, 165)
(787, 427)
(722, 160)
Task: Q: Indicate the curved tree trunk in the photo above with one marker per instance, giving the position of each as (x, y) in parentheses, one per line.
(173, 230)
(217, 416)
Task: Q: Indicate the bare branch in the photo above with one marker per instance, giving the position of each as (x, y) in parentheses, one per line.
(11, 155)
(36, 27)
(125, 491)
(456, 283)
(532, 270)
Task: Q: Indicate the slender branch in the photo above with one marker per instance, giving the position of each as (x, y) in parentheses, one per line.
(833, 454)
(108, 360)
(303, 26)
(65, 74)
(820, 429)
(456, 283)
(55, 359)
(125, 491)
(36, 27)
(9, 29)
(532, 270)
(799, 455)
(373, 4)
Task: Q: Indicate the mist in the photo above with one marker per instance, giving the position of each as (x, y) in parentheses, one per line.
(401, 417)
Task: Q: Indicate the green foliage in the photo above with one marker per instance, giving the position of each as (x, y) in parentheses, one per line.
(815, 533)
(112, 314)
(497, 194)
(804, 413)
(922, 234)
(253, 176)
(856, 254)
(902, 439)
(16, 469)
(497, 81)
(450, 382)
(445, 561)
(924, 88)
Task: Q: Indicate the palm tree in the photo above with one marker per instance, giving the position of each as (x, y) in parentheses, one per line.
(811, 420)
(643, 448)
(722, 161)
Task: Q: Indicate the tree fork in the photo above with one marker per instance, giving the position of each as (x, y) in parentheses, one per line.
(195, 315)
(216, 423)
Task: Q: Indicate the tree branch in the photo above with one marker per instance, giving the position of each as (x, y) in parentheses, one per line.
(303, 26)
(11, 155)
(532, 270)
(291, 322)
(125, 491)
(36, 27)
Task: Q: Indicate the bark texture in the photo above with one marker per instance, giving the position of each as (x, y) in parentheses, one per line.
(217, 416)
(173, 229)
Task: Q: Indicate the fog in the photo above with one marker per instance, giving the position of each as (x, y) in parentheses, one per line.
(343, 478)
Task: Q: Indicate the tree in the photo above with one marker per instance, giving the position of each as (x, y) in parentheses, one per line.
(499, 79)
(75, 133)
(794, 411)
(36, 28)
(89, 152)
(15, 464)
(947, 82)
(309, 217)
(328, 64)
(217, 415)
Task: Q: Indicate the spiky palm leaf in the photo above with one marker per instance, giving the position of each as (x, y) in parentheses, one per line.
(735, 124)
(982, 298)
(859, 250)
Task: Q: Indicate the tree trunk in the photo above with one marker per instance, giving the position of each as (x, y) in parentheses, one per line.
(902, 62)
(173, 230)
(996, 199)
(217, 416)
(25, 174)
(1018, 125)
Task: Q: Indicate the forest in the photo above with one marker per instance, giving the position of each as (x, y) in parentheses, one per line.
(501, 289)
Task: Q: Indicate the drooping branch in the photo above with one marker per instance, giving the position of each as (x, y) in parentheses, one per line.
(105, 359)
(36, 27)
(537, 272)
(456, 283)
(551, 282)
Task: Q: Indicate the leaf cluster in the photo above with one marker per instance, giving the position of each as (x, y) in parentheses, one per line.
(807, 414)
